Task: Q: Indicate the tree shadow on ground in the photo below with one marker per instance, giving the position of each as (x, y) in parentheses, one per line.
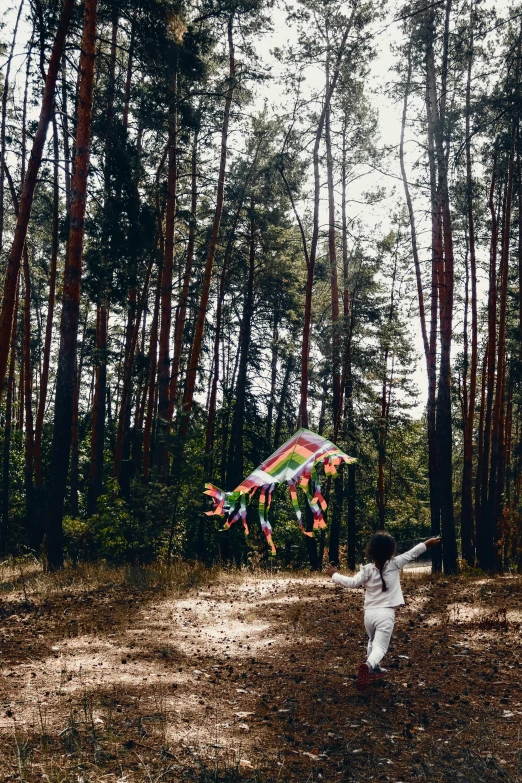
(251, 678)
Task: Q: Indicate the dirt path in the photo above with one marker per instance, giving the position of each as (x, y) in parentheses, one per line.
(251, 678)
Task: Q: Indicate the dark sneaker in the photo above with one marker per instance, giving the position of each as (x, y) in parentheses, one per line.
(363, 676)
(377, 673)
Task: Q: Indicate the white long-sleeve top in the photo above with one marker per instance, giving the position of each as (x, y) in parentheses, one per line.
(370, 578)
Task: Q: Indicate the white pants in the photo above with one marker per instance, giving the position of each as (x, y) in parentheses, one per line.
(379, 627)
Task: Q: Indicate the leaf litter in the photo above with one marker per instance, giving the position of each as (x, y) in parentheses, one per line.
(251, 678)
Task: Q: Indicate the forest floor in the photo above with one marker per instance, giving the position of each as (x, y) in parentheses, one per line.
(191, 675)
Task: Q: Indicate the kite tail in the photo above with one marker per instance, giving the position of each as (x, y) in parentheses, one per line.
(295, 504)
(317, 505)
(331, 464)
(218, 498)
(313, 500)
(241, 514)
(264, 504)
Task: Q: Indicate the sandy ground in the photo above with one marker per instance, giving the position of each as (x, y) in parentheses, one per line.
(250, 677)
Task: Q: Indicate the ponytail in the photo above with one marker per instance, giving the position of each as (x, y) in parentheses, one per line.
(380, 549)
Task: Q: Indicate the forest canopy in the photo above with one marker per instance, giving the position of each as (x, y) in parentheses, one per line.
(220, 222)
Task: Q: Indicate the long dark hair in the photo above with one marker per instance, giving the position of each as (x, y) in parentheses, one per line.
(381, 548)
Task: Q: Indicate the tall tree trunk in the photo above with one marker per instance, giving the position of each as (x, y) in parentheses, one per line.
(332, 255)
(385, 400)
(484, 532)
(480, 450)
(152, 386)
(430, 347)
(4, 521)
(228, 389)
(23, 146)
(209, 438)
(496, 468)
(5, 95)
(192, 368)
(128, 78)
(26, 391)
(74, 470)
(235, 457)
(95, 484)
(181, 311)
(166, 284)
(71, 295)
(466, 525)
(98, 412)
(436, 298)
(519, 172)
(446, 283)
(26, 199)
(273, 379)
(33, 533)
(44, 382)
(347, 477)
(336, 503)
(350, 482)
(65, 135)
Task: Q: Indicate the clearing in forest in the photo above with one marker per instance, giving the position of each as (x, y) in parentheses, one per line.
(191, 675)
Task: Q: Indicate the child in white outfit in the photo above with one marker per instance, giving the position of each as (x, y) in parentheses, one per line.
(383, 594)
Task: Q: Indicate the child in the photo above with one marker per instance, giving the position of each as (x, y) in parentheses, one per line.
(381, 580)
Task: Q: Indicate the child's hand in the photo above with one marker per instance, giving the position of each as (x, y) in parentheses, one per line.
(331, 570)
(432, 542)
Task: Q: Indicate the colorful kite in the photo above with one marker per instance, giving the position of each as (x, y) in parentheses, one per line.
(295, 462)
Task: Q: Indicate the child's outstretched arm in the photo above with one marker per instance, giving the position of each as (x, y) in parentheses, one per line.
(346, 581)
(413, 554)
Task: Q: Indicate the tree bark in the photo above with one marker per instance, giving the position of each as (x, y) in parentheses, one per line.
(436, 266)
(166, 284)
(480, 451)
(385, 402)
(209, 437)
(44, 382)
(332, 255)
(496, 474)
(273, 379)
(33, 533)
(519, 172)
(446, 285)
(485, 532)
(181, 312)
(4, 523)
(65, 135)
(443, 258)
(5, 95)
(71, 295)
(467, 532)
(94, 489)
(153, 363)
(26, 199)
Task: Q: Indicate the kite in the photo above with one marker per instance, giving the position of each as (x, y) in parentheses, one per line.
(295, 462)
